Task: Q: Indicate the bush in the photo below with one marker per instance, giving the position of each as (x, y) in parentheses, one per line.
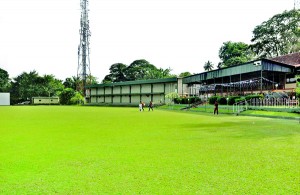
(177, 100)
(298, 92)
(184, 101)
(194, 99)
(231, 99)
(248, 97)
(190, 100)
(213, 99)
(77, 99)
(222, 100)
(240, 99)
(66, 95)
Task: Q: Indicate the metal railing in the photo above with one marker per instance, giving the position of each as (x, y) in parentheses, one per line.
(266, 102)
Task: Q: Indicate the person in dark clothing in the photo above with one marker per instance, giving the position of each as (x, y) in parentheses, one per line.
(150, 106)
(216, 110)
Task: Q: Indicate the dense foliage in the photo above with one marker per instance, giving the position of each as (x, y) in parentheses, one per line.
(185, 100)
(4, 80)
(28, 85)
(185, 74)
(208, 66)
(66, 95)
(137, 70)
(277, 36)
(234, 53)
(298, 86)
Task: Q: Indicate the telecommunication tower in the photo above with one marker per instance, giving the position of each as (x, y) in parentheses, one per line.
(296, 4)
(83, 71)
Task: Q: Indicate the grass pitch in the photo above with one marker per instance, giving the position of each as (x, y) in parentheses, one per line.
(98, 150)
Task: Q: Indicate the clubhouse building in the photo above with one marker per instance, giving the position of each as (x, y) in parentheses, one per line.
(260, 76)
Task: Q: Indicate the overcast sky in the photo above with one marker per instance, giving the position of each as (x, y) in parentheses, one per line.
(43, 35)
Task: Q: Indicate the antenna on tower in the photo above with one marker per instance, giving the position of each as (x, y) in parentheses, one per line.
(83, 70)
(296, 4)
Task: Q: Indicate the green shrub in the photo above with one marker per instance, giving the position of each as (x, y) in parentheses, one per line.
(77, 99)
(184, 101)
(213, 99)
(66, 95)
(298, 92)
(248, 97)
(240, 99)
(194, 99)
(231, 99)
(222, 100)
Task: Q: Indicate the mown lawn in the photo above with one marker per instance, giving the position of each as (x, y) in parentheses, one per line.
(98, 150)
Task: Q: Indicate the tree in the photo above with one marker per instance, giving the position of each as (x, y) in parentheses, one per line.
(298, 86)
(77, 98)
(51, 85)
(171, 96)
(66, 95)
(116, 73)
(71, 82)
(234, 53)
(277, 36)
(4, 80)
(137, 70)
(184, 74)
(208, 66)
(28, 85)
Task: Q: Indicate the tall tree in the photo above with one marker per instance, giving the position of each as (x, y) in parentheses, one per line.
(28, 85)
(208, 66)
(234, 53)
(184, 74)
(71, 82)
(277, 36)
(117, 73)
(4, 80)
(137, 70)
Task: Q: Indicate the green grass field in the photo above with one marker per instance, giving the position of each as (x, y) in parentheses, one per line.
(99, 150)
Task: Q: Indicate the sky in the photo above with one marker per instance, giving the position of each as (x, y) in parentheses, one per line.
(43, 35)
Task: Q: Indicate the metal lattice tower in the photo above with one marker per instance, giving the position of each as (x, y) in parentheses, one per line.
(83, 71)
(296, 4)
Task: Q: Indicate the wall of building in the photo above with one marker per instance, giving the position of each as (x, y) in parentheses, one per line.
(45, 100)
(4, 99)
(134, 92)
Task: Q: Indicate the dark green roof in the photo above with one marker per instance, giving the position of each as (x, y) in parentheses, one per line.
(138, 82)
(248, 67)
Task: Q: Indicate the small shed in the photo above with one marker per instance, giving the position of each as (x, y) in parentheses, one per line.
(45, 100)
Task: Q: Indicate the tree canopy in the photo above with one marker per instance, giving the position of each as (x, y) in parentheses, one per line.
(234, 53)
(137, 70)
(185, 74)
(208, 66)
(28, 85)
(4, 80)
(277, 36)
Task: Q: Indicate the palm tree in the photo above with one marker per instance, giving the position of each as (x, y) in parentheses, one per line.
(208, 66)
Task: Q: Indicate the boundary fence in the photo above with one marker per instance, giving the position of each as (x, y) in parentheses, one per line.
(266, 102)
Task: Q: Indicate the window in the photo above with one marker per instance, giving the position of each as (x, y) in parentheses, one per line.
(291, 80)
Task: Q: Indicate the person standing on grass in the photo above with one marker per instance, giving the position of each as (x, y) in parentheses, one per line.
(141, 106)
(216, 110)
(150, 106)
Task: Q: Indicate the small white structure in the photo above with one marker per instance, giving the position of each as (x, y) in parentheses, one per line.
(45, 100)
(4, 99)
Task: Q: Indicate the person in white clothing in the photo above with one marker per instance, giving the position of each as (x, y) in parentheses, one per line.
(141, 106)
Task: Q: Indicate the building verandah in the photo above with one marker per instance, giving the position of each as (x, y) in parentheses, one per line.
(253, 77)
